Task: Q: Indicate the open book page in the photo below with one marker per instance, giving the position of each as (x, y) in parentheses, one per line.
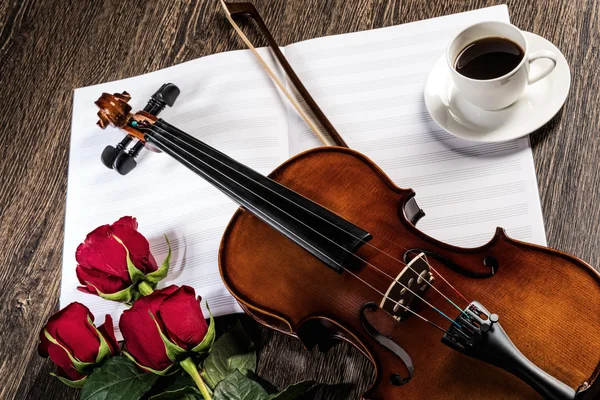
(370, 85)
(227, 101)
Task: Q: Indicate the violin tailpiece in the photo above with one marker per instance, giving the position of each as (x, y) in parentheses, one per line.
(477, 333)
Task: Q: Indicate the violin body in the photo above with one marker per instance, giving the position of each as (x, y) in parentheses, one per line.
(326, 248)
(548, 301)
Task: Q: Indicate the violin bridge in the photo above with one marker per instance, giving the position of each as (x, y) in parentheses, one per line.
(415, 276)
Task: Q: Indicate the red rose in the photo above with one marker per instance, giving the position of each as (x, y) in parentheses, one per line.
(165, 327)
(103, 262)
(74, 343)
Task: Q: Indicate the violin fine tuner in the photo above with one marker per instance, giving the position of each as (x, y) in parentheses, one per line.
(478, 334)
(115, 110)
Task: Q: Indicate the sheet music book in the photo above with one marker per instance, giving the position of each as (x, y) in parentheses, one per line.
(370, 84)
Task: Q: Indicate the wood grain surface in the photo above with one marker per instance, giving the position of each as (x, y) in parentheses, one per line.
(48, 48)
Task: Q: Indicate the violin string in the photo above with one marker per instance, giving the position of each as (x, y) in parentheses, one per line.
(349, 233)
(301, 222)
(311, 228)
(265, 216)
(433, 287)
(310, 124)
(434, 270)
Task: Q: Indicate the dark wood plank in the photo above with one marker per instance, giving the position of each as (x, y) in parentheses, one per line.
(49, 48)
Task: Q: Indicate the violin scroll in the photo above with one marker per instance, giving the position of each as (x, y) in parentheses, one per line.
(114, 109)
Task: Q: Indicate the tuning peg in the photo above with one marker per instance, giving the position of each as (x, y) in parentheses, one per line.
(124, 162)
(165, 96)
(110, 153)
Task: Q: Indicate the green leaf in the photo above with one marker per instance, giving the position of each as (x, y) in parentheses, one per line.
(244, 362)
(293, 391)
(237, 386)
(159, 274)
(232, 351)
(206, 344)
(135, 274)
(164, 372)
(174, 352)
(117, 379)
(179, 395)
(74, 384)
(80, 366)
(183, 388)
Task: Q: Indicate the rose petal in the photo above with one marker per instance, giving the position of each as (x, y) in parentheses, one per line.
(140, 332)
(105, 283)
(63, 362)
(101, 252)
(87, 290)
(71, 329)
(43, 345)
(183, 319)
(127, 222)
(138, 246)
(107, 330)
(151, 264)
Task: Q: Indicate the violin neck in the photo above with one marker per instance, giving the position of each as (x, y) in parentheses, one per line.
(324, 234)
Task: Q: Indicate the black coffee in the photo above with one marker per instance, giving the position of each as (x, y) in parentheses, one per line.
(488, 58)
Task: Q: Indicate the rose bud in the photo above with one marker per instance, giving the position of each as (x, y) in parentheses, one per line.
(167, 328)
(75, 345)
(115, 263)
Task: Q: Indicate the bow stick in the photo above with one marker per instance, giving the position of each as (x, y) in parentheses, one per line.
(248, 9)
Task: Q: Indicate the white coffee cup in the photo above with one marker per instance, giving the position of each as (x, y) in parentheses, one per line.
(501, 92)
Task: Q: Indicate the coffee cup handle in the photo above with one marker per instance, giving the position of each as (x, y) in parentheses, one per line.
(536, 55)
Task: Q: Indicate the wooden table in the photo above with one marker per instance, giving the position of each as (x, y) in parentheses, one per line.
(48, 48)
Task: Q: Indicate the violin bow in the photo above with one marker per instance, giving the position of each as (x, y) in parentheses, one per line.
(248, 9)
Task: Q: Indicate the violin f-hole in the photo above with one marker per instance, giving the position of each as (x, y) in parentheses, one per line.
(395, 379)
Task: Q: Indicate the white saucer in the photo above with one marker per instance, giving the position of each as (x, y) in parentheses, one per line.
(540, 102)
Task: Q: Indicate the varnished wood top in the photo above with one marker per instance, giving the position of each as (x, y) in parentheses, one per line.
(49, 48)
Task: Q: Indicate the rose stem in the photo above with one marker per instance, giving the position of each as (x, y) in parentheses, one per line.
(189, 367)
(145, 289)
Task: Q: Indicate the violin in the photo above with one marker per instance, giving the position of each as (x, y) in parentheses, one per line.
(326, 247)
